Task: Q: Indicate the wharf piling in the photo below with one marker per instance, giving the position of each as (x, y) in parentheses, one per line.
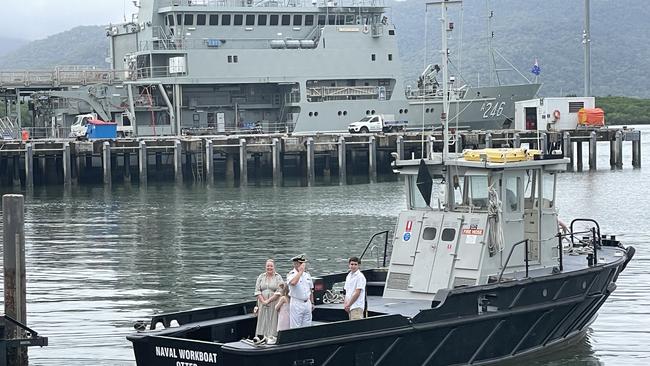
(238, 158)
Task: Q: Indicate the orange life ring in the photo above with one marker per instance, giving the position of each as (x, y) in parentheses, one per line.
(556, 114)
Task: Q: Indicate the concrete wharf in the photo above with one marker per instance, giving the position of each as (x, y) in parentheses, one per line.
(235, 158)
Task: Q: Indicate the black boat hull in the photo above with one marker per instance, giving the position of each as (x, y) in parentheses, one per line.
(474, 325)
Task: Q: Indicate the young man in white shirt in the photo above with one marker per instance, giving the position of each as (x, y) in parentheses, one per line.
(355, 290)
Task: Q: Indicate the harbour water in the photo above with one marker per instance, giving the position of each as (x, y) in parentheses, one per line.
(99, 258)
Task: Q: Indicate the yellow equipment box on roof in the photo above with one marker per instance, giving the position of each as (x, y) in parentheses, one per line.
(503, 155)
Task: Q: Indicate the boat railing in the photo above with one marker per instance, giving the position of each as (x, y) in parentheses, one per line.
(159, 72)
(505, 265)
(385, 256)
(59, 77)
(171, 44)
(273, 3)
(594, 238)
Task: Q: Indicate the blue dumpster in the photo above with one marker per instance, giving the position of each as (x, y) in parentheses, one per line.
(101, 130)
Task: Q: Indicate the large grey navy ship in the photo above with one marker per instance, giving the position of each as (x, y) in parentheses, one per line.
(277, 66)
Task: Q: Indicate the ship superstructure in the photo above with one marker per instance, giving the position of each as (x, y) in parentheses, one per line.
(216, 66)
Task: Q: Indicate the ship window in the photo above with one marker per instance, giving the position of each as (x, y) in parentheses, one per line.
(512, 194)
(225, 19)
(297, 19)
(373, 57)
(250, 19)
(229, 59)
(331, 20)
(429, 233)
(261, 19)
(340, 20)
(214, 19)
(238, 20)
(189, 19)
(548, 190)
(273, 20)
(350, 19)
(309, 19)
(448, 234)
(235, 59)
(200, 19)
(391, 32)
(170, 20)
(286, 19)
(390, 57)
(179, 19)
(321, 20)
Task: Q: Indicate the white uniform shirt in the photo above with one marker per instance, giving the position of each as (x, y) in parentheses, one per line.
(302, 290)
(353, 281)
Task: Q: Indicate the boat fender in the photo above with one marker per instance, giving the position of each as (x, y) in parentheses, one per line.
(365, 28)
(556, 115)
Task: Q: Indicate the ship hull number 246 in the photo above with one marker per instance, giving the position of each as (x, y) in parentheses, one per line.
(492, 109)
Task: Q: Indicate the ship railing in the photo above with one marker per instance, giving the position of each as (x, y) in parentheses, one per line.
(505, 265)
(158, 72)
(205, 43)
(333, 92)
(59, 76)
(273, 3)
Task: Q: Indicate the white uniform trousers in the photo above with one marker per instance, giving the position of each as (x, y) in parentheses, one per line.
(299, 313)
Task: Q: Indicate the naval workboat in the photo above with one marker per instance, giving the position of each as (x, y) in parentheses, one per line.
(479, 272)
(297, 66)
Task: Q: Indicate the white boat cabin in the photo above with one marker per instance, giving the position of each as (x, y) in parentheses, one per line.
(477, 211)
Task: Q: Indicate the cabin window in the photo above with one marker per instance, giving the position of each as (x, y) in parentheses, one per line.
(297, 19)
(238, 19)
(273, 20)
(200, 19)
(350, 19)
(179, 19)
(214, 19)
(261, 19)
(286, 19)
(429, 233)
(225, 19)
(250, 19)
(189, 19)
(415, 199)
(170, 20)
(309, 19)
(390, 57)
(512, 199)
(340, 20)
(331, 19)
(548, 190)
(448, 234)
(229, 59)
(373, 57)
(321, 20)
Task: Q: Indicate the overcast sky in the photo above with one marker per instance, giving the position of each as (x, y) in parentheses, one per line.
(36, 19)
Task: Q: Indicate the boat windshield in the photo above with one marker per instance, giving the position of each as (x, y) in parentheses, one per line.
(415, 199)
(471, 191)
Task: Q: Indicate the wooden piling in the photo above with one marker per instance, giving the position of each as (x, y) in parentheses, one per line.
(243, 163)
(67, 164)
(209, 161)
(127, 166)
(567, 149)
(178, 161)
(142, 162)
(311, 172)
(276, 148)
(342, 161)
(618, 161)
(543, 143)
(636, 151)
(372, 158)
(15, 294)
(29, 165)
(106, 162)
(593, 150)
(579, 163)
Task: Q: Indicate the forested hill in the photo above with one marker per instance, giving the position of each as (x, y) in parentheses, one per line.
(549, 31)
(8, 45)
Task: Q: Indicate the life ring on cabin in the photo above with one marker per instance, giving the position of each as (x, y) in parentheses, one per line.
(365, 28)
(556, 115)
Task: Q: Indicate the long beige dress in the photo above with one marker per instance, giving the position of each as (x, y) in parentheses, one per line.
(267, 317)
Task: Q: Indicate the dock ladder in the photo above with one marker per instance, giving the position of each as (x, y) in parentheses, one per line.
(197, 166)
(8, 129)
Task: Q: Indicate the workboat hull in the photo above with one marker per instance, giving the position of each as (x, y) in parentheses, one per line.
(471, 325)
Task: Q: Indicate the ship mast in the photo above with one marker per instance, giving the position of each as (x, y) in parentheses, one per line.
(445, 73)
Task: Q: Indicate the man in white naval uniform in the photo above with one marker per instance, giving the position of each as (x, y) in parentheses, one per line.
(300, 291)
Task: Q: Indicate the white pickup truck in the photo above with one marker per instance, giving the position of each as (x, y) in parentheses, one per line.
(79, 129)
(377, 123)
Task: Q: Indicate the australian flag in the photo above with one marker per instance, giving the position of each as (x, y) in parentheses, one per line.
(536, 69)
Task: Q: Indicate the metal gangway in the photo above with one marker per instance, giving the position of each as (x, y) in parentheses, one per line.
(9, 130)
(60, 76)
